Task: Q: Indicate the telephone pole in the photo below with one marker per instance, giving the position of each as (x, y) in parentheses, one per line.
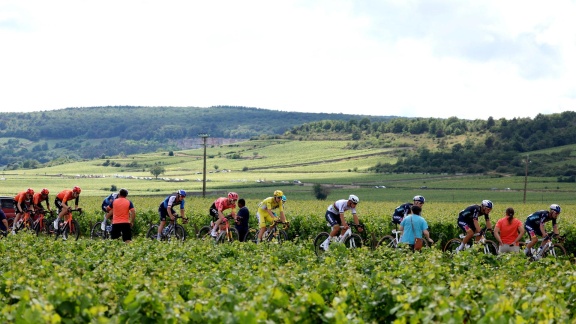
(526, 177)
(204, 137)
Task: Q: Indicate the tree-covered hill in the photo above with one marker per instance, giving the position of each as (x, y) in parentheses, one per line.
(490, 145)
(28, 139)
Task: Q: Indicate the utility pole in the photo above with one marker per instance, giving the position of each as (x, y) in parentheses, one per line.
(526, 177)
(204, 137)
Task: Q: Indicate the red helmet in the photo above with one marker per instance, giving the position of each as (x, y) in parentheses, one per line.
(30, 191)
(233, 195)
(45, 191)
(76, 189)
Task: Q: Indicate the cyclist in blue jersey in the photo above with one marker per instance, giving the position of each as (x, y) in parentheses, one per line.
(534, 226)
(468, 220)
(166, 208)
(406, 209)
(107, 208)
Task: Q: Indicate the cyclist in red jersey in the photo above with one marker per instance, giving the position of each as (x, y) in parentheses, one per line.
(22, 202)
(218, 207)
(62, 199)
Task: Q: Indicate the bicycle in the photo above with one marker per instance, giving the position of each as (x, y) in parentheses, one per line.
(226, 233)
(40, 223)
(172, 232)
(549, 249)
(488, 246)
(25, 222)
(67, 226)
(273, 233)
(98, 233)
(390, 241)
(350, 240)
(205, 231)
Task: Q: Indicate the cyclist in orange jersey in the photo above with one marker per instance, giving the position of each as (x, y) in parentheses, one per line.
(41, 196)
(62, 199)
(22, 202)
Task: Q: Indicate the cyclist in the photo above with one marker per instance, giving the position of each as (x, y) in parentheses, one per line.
(22, 202)
(335, 217)
(166, 208)
(265, 214)
(219, 206)
(468, 220)
(534, 226)
(41, 196)
(123, 217)
(406, 209)
(242, 219)
(508, 232)
(107, 208)
(62, 199)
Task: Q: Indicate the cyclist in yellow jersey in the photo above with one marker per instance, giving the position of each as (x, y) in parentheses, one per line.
(265, 214)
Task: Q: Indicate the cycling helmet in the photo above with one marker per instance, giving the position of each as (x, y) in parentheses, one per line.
(487, 204)
(278, 193)
(45, 191)
(182, 193)
(283, 198)
(354, 199)
(76, 189)
(555, 208)
(30, 191)
(419, 198)
(233, 195)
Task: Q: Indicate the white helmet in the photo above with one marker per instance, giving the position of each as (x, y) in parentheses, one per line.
(419, 198)
(354, 199)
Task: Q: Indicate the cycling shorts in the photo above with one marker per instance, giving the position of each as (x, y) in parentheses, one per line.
(333, 219)
(397, 219)
(213, 212)
(466, 225)
(17, 207)
(262, 219)
(59, 204)
(533, 230)
(164, 213)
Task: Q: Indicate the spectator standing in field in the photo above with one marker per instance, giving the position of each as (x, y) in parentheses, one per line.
(3, 221)
(508, 232)
(123, 215)
(242, 219)
(413, 227)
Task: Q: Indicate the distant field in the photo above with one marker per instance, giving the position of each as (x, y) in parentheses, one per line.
(264, 165)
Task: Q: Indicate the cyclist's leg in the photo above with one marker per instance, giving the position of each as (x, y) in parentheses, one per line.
(163, 215)
(467, 228)
(533, 233)
(335, 222)
(262, 219)
(218, 217)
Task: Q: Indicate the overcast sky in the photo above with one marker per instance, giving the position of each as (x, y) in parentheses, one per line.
(430, 58)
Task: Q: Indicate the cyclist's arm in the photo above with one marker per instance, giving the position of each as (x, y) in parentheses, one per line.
(488, 223)
(343, 220)
(282, 216)
(169, 210)
(182, 213)
(357, 221)
(543, 230)
(555, 229)
(477, 225)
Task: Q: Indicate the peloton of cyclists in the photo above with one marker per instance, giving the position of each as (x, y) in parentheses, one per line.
(468, 220)
(219, 206)
(534, 226)
(335, 217)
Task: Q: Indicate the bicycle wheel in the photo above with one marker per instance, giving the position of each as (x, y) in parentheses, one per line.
(36, 227)
(152, 232)
(229, 237)
(251, 235)
(73, 230)
(319, 239)
(387, 241)
(177, 234)
(354, 241)
(278, 236)
(452, 245)
(490, 247)
(204, 233)
(557, 250)
(97, 233)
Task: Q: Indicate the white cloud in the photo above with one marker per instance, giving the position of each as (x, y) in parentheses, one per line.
(436, 58)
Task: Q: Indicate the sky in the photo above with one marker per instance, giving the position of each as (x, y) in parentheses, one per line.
(429, 58)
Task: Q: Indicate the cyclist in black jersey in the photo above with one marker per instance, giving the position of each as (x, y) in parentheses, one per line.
(468, 220)
(406, 209)
(534, 226)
